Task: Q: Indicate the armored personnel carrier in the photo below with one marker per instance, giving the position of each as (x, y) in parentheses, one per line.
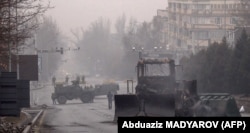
(63, 93)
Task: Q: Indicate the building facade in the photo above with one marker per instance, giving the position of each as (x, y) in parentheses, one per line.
(162, 17)
(195, 24)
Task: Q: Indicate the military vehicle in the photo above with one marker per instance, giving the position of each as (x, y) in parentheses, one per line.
(159, 94)
(103, 89)
(86, 93)
(75, 91)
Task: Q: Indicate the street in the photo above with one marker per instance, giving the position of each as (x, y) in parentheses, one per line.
(75, 116)
(78, 117)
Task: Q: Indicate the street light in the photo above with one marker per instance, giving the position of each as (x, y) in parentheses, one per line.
(155, 48)
(133, 48)
(142, 48)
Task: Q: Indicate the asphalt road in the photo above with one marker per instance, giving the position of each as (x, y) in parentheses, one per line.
(75, 116)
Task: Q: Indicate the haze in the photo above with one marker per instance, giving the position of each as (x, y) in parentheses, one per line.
(73, 14)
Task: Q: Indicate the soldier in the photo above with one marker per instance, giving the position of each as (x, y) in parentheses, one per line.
(67, 79)
(83, 79)
(54, 80)
(78, 79)
(110, 99)
(53, 97)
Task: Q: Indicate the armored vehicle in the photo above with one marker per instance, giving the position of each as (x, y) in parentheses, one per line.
(74, 91)
(103, 89)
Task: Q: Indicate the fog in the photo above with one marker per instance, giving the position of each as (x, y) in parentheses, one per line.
(98, 28)
(72, 14)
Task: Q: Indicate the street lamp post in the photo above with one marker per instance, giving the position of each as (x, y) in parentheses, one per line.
(225, 19)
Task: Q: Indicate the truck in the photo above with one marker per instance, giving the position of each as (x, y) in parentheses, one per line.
(159, 94)
(103, 89)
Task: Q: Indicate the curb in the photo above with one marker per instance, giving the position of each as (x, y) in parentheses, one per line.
(23, 122)
(29, 127)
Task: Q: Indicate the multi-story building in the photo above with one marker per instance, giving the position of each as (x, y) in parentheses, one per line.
(162, 17)
(194, 24)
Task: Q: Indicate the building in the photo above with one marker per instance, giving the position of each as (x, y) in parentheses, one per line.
(162, 17)
(194, 24)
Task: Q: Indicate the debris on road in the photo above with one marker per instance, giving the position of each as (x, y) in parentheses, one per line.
(12, 124)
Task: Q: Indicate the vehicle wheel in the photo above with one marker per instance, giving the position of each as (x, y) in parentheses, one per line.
(70, 96)
(87, 97)
(62, 99)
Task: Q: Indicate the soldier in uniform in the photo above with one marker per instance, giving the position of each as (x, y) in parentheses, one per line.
(53, 97)
(54, 80)
(83, 79)
(67, 79)
(110, 99)
(78, 79)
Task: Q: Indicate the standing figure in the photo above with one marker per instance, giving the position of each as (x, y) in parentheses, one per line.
(54, 80)
(53, 97)
(83, 79)
(78, 79)
(67, 79)
(110, 99)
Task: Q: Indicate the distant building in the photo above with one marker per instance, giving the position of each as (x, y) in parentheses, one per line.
(162, 17)
(194, 24)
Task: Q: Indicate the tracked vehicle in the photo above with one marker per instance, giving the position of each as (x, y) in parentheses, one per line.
(159, 94)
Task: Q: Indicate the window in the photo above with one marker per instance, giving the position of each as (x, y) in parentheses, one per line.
(234, 6)
(203, 35)
(233, 20)
(231, 6)
(227, 6)
(231, 35)
(200, 35)
(217, 20)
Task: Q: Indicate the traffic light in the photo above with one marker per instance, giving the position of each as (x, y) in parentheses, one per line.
(61, 50)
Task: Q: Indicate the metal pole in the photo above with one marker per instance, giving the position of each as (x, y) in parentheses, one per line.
(9, 40)
(127, 86)
(17, 56)
(225, 26)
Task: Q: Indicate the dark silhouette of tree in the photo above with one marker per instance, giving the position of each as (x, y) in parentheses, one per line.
(240, 62)
(18, 19)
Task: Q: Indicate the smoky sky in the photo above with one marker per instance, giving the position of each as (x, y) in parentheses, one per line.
(72, 14)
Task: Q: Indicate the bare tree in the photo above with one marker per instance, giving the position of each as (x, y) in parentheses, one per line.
(120, 25)
(18, 18)
(49, 37)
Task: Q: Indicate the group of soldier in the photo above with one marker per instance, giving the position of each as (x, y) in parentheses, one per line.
(67, 79)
